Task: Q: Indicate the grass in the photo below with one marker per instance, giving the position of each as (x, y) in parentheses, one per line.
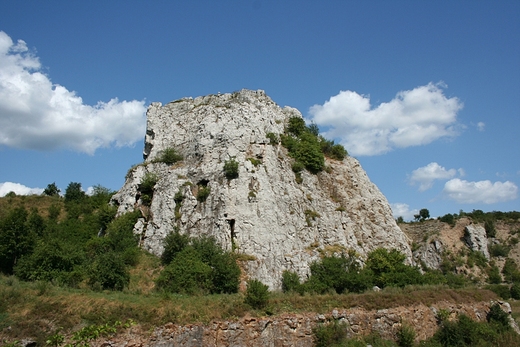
(31, 311)
(40, 202)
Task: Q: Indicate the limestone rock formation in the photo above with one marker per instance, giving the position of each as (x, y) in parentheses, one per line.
(476, 239)
(264, 213)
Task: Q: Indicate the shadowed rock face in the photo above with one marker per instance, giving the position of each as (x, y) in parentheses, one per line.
(264, 213)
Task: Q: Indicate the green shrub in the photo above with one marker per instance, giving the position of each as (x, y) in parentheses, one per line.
(224, 274)
(501, 290)
(489, 225)
(290, 282)
(231, 169)
(255, 161)
(257, 294)
(174, 243)
(203, 193)
(296, 126)
(494, 275)
(168, 156)
(186, 274)
(146, 187)
(331, 334)
(108, 271)
(498, 250)
(515, 291)
(405, 336)
(498, 316)
(510, 271)
(448, 218)
(273, 138)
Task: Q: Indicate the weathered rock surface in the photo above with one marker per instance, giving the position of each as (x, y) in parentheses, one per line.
(296, 329)
(476, 239)
(264, 212)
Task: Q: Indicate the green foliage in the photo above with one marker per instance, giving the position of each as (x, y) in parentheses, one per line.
(464, 332)
(273, 138)
(478, 258)
(405, 336)
(52, 190)
(186, 274)
(15, 239)
(146, 187)
(498, 250)
(332, 150)
(331, 334)
(52, 260)
(448, 218)
(168, 156)
(489, 225)
(108, 271)
(510, 271)
(255, 161)
(502, 291)
(204, 253)
(291, 282)
(257, 294)
(203, 193)
(389, 269)
(494, 275)
(74, 193)
(498, 316)
(174, 243)
(296, 126)
(424, 213)
(100, 196)
(231, 169)
(515, 291)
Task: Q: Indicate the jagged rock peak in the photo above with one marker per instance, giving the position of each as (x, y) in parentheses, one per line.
(276, 221)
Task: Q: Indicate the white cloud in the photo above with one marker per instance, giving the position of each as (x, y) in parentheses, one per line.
(18, 188)
(414, 117)
(481, 126)
(37, 114)
(403, 210)
(486, 192)
(424, 176)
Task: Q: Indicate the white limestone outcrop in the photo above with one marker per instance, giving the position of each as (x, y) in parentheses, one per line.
(264, 213)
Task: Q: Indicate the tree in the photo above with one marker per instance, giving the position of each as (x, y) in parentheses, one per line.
(52, 190)
(74, 193)
(424, 213)
(15, 239)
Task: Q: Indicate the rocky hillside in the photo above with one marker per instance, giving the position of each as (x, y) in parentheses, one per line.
(275, 219)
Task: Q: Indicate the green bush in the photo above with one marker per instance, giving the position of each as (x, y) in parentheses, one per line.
(331, 334)
(501, 290)
(168, 156)
(296, 126)
(146, 187)
(405, 336)
(273, 138)
(186, 274)
(494, 275)
(108, 271)
(510, 271)
(231, 169)
(498, 250)
(515, 291)
(203, 193)
(489, 225)
(15, 240)
(224, 274)
(174, 243)
(257, 294)
(498, 316)
(290, 282)
(448, 218)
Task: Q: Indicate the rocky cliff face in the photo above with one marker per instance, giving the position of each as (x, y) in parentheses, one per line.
(264, 213)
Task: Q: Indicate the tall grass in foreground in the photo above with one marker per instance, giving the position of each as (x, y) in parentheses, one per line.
(36, 309)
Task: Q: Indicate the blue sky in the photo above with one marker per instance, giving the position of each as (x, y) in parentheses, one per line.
(426, 94)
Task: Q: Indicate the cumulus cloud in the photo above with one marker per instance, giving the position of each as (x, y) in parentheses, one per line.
(481, 126)
(485, 192)
(426, 175)
(37, 114)
(414, 117)
(403, 210)
(18, 188)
